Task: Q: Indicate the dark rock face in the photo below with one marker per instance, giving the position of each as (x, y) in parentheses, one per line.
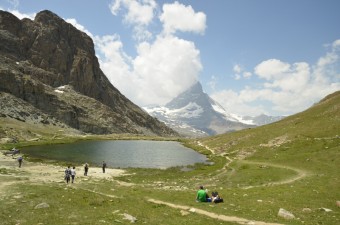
(37, 57)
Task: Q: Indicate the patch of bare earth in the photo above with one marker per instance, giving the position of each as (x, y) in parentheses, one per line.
(46, 173)
(276, 142)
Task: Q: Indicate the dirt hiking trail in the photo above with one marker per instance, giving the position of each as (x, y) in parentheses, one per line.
(213, 215)
(299, 173)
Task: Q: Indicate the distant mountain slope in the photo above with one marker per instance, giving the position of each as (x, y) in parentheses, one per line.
(321, 121)
(194, 111)
(262, 119)
(52, 66)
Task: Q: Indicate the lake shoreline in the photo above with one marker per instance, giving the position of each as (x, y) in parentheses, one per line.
(45, 172)
(118, 154)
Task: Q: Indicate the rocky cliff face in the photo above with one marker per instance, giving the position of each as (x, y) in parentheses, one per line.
(52, 66)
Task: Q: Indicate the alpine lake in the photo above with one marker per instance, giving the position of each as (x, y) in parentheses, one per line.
(120, 153)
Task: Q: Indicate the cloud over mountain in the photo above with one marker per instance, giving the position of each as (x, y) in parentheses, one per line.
(163, 66)
(287, 87)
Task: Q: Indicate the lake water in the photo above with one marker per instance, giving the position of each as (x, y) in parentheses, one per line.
(120, 154)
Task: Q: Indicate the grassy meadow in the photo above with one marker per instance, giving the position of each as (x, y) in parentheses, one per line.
(292, 164)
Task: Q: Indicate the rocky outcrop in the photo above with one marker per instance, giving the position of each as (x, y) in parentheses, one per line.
(38, 57)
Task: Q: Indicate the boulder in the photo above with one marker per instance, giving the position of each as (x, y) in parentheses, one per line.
(306, 210)
(285, 214)
(129, 217)
(42, 205)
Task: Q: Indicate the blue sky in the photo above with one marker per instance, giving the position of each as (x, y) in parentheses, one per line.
(252, 56)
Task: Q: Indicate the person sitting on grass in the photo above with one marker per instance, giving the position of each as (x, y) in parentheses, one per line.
(215, 197)
(202, 195)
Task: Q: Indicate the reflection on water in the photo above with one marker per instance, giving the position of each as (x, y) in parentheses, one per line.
(123, 154)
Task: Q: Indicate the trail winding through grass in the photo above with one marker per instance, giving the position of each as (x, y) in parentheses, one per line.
(299, 172)
(234, 219)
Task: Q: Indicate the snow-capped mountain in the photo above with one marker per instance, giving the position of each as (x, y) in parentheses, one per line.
(194, 113)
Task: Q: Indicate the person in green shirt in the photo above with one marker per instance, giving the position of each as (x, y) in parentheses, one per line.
(202, 195)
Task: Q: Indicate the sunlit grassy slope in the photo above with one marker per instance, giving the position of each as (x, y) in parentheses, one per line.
(308, 143)
(296, 134)
(292, 164)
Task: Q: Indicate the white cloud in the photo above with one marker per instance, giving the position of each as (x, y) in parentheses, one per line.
(168, 66)
(234, 102)
(22, 15)
(247, 74)
(138, 13)
(287, 88)
(212, 82)
(162, 68)
(116, 65)
(271, 68)
(161, 71)
(240, 72)
(178, 17)
(336, 44)
(237, 69)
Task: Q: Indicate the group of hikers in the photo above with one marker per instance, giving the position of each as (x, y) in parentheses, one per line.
(203, 196)
(70, 174)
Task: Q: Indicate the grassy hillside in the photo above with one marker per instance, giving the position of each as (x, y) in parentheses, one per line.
(292, 164)
(307, 143)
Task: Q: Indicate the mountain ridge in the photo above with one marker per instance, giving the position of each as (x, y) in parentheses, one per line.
(194, 113)
(39, 56)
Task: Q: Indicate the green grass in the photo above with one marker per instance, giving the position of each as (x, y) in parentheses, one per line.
(307, 143)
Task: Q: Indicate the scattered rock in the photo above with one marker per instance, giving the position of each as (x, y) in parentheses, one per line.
(184, 213)
(129, 217)
(306, 210)
(6, 140)
(192, 210)
(325, 209)
(285, 214)
(116, 211)
(17, 196)
(42, 205)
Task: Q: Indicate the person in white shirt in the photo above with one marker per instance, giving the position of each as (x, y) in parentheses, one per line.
(73, 173)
